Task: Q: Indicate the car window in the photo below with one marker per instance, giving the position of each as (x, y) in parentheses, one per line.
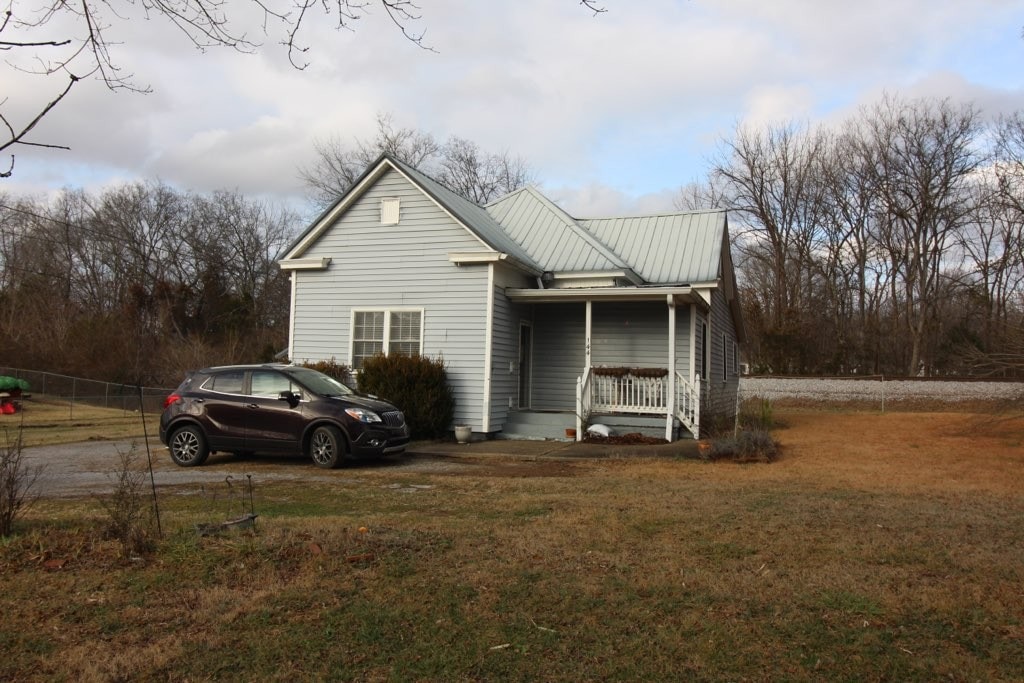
(270, 383)
(229, 382)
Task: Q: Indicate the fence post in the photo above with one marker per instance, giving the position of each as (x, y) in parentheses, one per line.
(883, 392)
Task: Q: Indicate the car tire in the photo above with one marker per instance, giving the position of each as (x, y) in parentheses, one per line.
(188, 446)
(327, 447)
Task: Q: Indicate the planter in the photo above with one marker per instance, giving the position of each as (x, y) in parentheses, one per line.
(704, 448)
(570, 433)
(462, 433)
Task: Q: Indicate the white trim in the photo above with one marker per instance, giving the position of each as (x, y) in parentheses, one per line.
(387, 311)
(332, 215)
(682, 294)
(460, 258)
(693, 341)
(294, 277)
(671, 398)
(440, 206)
(305, 263)
(594, 274)
(488, 351)
(588, 349)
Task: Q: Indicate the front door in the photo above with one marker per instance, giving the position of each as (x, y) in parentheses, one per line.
(525, 364)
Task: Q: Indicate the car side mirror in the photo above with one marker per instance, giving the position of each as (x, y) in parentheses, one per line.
(291, 397)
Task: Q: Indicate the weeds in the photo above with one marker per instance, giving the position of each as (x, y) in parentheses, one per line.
(749, 445)
(757, 412)
(16, 482)
(129, 520)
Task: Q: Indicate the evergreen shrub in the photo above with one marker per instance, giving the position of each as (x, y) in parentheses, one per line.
(418, 385)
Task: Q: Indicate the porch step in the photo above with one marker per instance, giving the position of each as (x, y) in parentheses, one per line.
(551, 424)
(538, 424)
(648, 425)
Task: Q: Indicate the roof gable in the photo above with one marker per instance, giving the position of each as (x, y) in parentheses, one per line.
(467, 214)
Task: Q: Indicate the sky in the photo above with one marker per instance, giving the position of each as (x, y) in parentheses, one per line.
(614, 112)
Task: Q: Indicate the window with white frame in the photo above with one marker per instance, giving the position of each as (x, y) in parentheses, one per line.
(386, 331)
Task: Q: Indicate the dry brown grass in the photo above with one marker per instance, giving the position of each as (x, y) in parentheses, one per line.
(45, 422)
(879, 547)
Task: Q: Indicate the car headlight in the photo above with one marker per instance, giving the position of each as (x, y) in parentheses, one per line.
(363, 415)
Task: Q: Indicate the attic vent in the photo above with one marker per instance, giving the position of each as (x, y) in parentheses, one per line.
(389, 211)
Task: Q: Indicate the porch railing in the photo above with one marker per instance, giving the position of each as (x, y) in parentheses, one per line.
(627, 393)
(688, 403)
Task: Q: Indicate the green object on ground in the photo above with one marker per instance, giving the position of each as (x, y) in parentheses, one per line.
(8, 383)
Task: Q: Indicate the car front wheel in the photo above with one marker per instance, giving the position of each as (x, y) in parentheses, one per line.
(188, 446)
(327, 447)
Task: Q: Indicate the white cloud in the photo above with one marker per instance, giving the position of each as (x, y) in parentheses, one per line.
(610, 109)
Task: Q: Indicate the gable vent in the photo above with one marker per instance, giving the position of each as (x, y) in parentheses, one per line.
(389, 211)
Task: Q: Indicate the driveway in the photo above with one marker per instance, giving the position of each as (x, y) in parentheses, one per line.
(90, 467)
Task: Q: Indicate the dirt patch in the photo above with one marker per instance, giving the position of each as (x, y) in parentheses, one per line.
(518, 468)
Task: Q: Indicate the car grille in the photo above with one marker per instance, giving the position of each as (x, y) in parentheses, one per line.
(393, 418)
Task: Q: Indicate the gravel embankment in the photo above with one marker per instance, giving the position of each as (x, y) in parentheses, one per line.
(876, 390)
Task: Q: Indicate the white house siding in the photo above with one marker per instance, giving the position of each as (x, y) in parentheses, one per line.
(558, 354)
(404, 265)
(721, 392)
(635, 334)
(505, 346)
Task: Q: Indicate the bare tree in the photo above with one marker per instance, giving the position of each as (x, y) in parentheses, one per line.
(925, 154)
(770, 178)
(71, 42)
(458, 163)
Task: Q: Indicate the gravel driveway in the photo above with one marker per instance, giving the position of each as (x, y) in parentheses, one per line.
(89, 467)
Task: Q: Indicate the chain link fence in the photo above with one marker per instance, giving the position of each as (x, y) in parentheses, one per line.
(76, 390)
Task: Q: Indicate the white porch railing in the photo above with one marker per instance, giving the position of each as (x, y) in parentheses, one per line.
(688, 403)
(637, 395)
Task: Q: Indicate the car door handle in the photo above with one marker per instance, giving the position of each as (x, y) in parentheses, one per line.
(200, 400)
(253, 405)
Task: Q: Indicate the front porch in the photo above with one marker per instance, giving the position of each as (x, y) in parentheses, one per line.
(629, 400)
(632, 365)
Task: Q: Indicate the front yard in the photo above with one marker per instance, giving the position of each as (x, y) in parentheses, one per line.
(878, 547)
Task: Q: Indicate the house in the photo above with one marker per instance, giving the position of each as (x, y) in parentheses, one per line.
(544, 321)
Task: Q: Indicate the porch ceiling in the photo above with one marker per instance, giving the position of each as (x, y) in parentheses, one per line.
(679, 295)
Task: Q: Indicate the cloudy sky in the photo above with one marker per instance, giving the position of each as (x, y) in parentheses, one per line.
(615, 112)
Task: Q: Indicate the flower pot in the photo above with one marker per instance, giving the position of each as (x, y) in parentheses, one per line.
(704, 448)
(462, 433)
(570, 433)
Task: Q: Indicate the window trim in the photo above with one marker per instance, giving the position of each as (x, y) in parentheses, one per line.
(386, 342)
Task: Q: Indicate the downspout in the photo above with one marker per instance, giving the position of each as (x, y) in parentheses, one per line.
(291, 317)
(488, 350)
(670, 418)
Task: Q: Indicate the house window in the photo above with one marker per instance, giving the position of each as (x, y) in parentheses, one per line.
(735, 360)
(390, 210)
(725, 357)
(387, 331)
(704, 351)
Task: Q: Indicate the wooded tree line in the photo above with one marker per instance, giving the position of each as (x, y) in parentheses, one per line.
(141, 282)
(892, 244)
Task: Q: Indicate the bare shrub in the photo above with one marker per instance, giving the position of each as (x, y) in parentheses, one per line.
(16, 482)
(129, 519)
(749, 445)
(757, 412)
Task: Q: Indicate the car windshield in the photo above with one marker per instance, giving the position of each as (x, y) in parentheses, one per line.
(319, 383)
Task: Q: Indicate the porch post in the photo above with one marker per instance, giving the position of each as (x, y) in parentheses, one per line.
(671, 402)
(586, 351)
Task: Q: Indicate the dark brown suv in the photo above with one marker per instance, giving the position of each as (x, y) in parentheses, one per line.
(247, 409)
